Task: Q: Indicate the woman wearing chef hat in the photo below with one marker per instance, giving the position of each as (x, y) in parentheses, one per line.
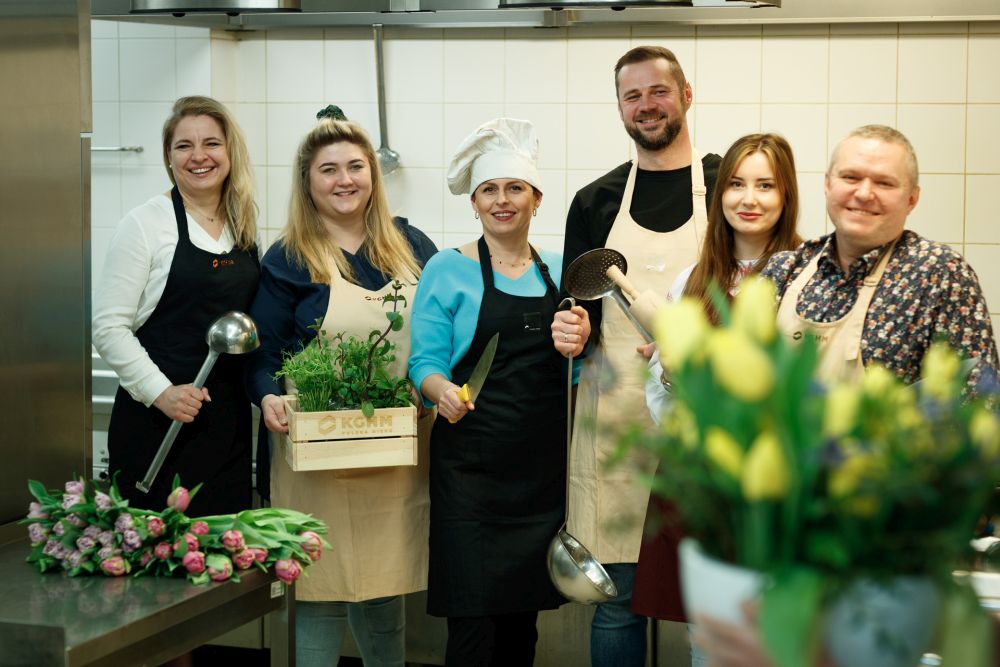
(498, 462)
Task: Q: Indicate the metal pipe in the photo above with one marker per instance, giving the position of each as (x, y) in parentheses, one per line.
(116, 149)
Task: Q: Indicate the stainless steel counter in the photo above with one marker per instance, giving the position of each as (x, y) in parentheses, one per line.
(52, 619)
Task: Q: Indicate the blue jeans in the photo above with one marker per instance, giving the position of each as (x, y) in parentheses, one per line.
(378, 627)
(617, 636)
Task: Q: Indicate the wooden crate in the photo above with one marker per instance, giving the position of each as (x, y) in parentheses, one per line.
(347, 439)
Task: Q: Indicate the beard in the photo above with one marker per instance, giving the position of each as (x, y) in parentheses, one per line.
(656, 142)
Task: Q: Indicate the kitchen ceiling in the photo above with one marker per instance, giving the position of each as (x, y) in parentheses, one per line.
(251, 15)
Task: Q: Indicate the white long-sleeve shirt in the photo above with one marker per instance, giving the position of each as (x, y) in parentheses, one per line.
(135, 273)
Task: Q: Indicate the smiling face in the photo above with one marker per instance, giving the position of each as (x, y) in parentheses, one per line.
(752, 202)
(340, 182)
(198, 156)
(505, 205)
(869, 193)
(651, 104)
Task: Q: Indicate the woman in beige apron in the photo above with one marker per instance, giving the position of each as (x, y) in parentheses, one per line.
(840, 340)
(607, 506)
(336, 260)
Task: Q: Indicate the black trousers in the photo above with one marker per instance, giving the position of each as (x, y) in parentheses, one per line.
(504, 640)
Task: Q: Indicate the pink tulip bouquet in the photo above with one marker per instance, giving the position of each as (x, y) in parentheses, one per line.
(83, 529)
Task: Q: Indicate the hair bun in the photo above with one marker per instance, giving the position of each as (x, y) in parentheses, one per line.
(331, 111)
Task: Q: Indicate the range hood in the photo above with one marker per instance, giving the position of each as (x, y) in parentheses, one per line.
(265, 14)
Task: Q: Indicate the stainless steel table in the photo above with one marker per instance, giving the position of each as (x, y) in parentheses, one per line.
(51, 619)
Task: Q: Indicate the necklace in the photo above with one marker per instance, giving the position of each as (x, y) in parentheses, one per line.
(514, 264)
(188, 206)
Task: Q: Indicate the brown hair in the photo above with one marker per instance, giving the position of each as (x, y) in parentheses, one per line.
(641, 54)
(717, 263)
(306, 239)
(237, 190)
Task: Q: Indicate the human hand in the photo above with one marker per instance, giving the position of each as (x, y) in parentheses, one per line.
(570, 330)
(273, 409)
(451, 406)
(181, 402)
(728, 644)
(647, 349)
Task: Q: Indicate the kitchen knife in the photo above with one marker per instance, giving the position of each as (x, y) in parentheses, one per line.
(470, 390)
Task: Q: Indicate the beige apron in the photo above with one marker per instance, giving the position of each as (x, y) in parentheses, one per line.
(607, 507)
(839, 341)
(378, 518)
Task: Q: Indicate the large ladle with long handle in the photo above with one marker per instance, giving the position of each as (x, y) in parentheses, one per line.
(233, 333)
(574, 571)
(388, 159)
(587, 279)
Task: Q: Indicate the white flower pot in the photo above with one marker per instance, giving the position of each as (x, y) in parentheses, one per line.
(712, 587)
(876, 624)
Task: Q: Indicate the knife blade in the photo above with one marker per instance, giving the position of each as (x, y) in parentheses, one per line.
(470, 390)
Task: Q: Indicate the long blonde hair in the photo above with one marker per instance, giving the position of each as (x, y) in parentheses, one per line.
(237, 190)
(306, 239)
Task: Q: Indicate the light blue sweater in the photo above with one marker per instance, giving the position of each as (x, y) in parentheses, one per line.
(446, 308)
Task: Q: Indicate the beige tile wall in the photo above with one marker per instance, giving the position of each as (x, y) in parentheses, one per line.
(937, 82)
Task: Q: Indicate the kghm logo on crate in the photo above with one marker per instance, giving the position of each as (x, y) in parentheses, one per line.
(356, 425)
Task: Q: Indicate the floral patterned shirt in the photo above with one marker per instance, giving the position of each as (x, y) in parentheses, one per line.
(928, 292)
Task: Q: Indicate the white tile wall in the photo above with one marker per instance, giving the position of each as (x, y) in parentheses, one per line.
(936, 81)
(807, 81)
(863, 68)
(980, 207)
(932, 68)
(984, 54)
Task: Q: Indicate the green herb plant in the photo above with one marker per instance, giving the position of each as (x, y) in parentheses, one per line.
(348, 373)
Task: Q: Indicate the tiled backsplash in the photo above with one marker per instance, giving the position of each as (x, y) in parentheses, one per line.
(937, 82)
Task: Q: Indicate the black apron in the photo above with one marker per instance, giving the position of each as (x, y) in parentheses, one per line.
(214, 449)
(498, 476)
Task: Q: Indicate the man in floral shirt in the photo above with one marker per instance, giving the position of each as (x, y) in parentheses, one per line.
(872, 291)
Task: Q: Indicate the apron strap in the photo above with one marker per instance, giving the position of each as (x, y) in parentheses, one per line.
(698, 195)
(484, 263)
(179, 213)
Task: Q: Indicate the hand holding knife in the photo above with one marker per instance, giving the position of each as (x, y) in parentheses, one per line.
(469, 391)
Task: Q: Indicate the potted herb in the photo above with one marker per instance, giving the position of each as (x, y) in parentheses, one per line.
(348, 410)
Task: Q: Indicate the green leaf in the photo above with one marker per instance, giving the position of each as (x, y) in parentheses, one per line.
(38, 490)
(788, 613)
(367, 409)
(397, 324)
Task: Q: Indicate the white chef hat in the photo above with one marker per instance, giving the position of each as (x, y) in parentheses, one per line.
(500, 148)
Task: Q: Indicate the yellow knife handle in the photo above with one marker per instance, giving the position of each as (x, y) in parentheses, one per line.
(463, 395)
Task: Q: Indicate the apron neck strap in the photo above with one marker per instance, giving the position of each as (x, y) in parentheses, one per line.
(179, 213)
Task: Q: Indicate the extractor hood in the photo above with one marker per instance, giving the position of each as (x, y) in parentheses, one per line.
(265, 14)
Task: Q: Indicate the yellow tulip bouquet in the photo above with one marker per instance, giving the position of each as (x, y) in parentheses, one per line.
(819, 486)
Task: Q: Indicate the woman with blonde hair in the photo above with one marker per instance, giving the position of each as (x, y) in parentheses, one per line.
(176, 263)
(752, 215)
(338, 255)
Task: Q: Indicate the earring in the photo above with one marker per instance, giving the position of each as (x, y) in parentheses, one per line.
(476, 214)
(534, 213)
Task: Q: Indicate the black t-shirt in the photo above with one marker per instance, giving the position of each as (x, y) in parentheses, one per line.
(661, 202)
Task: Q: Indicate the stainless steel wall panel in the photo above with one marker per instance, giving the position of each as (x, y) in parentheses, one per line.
(44, 271)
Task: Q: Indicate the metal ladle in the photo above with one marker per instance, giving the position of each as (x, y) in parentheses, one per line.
(587, 279)
(233, 333)
(574, 571)
(388, 159)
